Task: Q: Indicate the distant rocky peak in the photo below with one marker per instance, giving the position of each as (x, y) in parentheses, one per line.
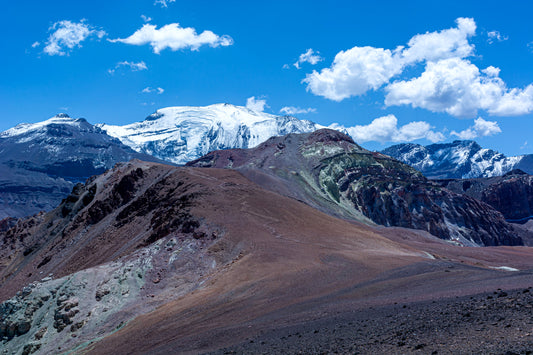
(458, 159)
(327, 135)
(154, 116)
(62, 115)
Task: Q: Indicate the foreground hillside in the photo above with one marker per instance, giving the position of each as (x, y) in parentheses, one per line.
(150, 258)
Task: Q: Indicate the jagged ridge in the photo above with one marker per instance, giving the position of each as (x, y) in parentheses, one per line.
(458, 160)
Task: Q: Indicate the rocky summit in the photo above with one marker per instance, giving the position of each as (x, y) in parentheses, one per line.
(41, 162)
(458, 160)
(328, 170)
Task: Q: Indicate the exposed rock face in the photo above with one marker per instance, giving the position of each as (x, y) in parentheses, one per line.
(40, 163)
(511, 194)
(326, 168)
(458, 160)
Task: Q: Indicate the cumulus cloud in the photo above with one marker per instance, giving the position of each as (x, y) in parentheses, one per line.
(361, 69)
(65, 35)
(35, 44)
(257, 105)
(496, 36)
(133, 66)
(481, 128)
(310, 57)
(149, 90)
(354, 72)
(292, 110)
(459, 88)
(146, 18)
(163, 3)
(174, 37)
(385, 129)
(450, 82)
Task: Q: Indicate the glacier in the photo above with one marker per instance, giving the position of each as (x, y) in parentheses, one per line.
(184, 133)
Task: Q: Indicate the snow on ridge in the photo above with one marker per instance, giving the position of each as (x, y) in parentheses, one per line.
(182, 133)
(460, 159)
(24, 128)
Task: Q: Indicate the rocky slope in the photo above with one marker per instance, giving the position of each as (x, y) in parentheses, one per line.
(458, 160)
(150, 258)
(41, 162)
(331, 172)
(181, 134)
(511, 194)
(145, 234)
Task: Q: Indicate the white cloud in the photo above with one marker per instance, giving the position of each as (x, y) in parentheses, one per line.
(35, 44)
(385, 129)
(133, 66)
(354, 72)
(66, 35)
(450, 83)
(459, 88)
(481, 128)
(174, 37)
(291, 110)
(148, 90)
(496, 36)
(146, 18)
(163, 3)
(361, 69)
(257, 105)
(310, 57)
(449, 43)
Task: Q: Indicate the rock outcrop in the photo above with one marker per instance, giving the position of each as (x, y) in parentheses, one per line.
(511, 194)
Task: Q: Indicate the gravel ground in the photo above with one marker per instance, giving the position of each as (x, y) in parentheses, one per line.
(500, 322)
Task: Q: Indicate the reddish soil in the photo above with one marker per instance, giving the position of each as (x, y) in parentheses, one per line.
(285, 269)
(301, 267)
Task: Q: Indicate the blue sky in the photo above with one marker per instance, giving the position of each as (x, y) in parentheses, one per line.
(464, 72)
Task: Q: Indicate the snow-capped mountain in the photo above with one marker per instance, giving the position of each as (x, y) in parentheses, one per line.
(41, 162)
(182, 134)
(458, 160)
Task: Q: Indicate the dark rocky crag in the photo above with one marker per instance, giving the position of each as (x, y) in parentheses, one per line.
(511, 194)
(331, 172)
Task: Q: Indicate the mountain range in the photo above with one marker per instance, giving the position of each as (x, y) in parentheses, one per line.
(154, 258)
(41, 162)
(458, 160)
